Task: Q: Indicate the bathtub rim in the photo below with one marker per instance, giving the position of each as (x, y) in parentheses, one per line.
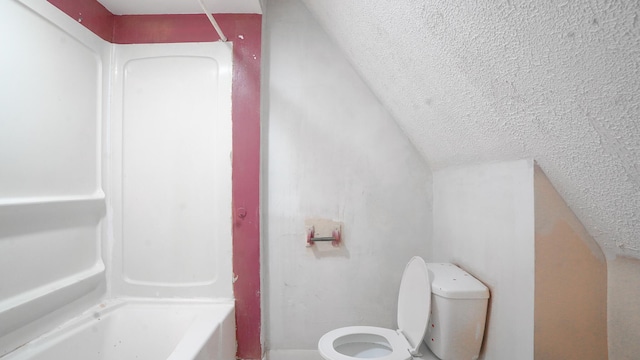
(189, 346)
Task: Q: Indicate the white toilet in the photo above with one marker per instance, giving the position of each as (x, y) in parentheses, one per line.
(438, 303)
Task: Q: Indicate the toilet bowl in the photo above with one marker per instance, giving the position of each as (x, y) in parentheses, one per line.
(369, 342)
(364, 342)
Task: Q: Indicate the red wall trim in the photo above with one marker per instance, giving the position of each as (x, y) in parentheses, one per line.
(138, 29)
(245, 30)
(91, 14)
(246, 181)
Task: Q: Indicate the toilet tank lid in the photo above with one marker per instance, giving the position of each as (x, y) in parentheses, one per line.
(451, 282)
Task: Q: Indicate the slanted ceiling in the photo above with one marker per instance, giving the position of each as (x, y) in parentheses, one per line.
(478, 81)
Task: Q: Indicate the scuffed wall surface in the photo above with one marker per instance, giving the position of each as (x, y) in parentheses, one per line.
(332, 151)
(497, 80)
(570, 282)
(624, 308)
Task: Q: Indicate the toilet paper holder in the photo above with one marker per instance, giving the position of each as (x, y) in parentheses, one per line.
(335, 237)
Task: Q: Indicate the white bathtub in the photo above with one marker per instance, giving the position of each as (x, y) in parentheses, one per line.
(140, 329)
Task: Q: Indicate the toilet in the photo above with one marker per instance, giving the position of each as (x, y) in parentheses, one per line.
(439, 304)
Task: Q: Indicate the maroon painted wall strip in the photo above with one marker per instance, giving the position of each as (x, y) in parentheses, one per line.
(91, 14)
(246, 180)
(139, 29)
(245, 30)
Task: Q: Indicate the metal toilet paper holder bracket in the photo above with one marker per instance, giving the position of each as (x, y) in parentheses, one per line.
(335, 237)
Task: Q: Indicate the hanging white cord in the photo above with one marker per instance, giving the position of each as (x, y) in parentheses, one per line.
(213, 21)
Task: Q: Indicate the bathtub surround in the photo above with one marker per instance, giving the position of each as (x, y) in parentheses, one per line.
(52, 204)
(335, 153)
(244, 31)
(66, 212)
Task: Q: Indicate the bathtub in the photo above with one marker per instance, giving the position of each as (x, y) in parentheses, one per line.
(140, 329)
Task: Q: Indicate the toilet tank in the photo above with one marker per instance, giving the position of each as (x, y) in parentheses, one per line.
(458, 313)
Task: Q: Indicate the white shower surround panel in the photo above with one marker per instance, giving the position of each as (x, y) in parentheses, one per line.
(51, 200)
(481, 81)
(51, 109)
(171, 136)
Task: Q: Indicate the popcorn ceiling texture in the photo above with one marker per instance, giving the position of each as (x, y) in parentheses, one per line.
(478, 81)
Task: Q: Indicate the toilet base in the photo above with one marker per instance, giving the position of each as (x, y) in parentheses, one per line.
(426, 353)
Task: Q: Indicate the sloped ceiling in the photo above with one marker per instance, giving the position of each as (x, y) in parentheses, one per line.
(478, 81)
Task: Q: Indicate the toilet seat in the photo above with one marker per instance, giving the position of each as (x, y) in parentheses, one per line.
(414, 305)
(399, 346)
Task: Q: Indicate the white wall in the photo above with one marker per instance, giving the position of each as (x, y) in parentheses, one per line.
(171, 171)
(51, 198)
(624, 308)
(484, 222)
(333, 152)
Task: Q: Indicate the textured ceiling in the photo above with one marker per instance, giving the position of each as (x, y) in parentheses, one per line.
(131, 7)
(477, 81)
